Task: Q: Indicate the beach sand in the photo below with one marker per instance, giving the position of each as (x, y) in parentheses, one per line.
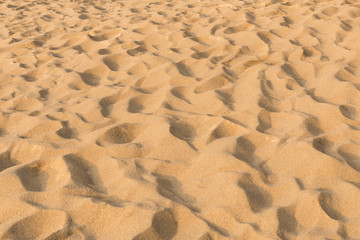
(169, 119)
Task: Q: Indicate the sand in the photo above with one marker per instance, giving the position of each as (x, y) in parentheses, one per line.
(169, 119)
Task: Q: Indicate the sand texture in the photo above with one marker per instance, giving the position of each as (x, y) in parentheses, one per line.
(182, 120)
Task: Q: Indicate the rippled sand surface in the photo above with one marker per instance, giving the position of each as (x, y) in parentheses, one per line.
(169, 119)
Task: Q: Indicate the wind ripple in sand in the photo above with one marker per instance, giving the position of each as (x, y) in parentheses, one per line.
(179, 119)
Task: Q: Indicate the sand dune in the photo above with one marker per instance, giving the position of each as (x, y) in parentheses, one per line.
(168, 119)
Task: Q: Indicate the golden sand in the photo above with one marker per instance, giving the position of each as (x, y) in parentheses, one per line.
(169, 119)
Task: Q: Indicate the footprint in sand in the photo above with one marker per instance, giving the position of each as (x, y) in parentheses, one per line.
(236, 29)
(200, 55)
(348, 111)
(287, 222)
(98, 38)
(183, 131)
(84, 173)
(136, 104)
(33, 176)
(351, 154)
(313, 126)
(116, 61)
(164, 226)
(325, 199)
(33, 75)
(225, 129)
(137, 51)
(44, 224)
(6, 161)
(269, 104)
(244, 149)
(322, 144)
(184, 69)
(226, 97)
(93, 76)
(308, 51)
(43, 175)
(121, 134)
(104, 51)
(3, 132)
(288, 20)
(259, 199)
(90, 78)
(44, 94)
(171, 188)
(84, 17)
(111, 63)
(264, 121)
(346, 74)
(265, 37)
(107, 103)
(180, 92)
(291, 72)
(346, 25)
(67, 132)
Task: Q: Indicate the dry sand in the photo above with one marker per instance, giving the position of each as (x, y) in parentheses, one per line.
(169, 119)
